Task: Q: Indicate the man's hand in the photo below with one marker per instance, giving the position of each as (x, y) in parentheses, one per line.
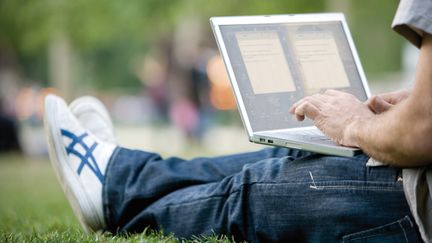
(333, 112)
(400, 135)
(383, 102)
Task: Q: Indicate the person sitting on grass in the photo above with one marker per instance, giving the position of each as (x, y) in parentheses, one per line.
(275, 194)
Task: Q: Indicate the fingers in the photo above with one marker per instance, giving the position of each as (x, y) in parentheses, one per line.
(392, 98)
(310, 106)
(306, 109)
(316, 99)
(333, 92)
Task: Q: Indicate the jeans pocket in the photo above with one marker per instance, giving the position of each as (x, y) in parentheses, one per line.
(403, 230)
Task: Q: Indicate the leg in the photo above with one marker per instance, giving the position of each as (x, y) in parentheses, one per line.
(80, 158)
(177, 170)
(149, 177)
(313, 198)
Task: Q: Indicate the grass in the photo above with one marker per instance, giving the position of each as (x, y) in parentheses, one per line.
(34, 209)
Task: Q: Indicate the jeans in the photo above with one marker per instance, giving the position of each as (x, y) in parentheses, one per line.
(272, 195)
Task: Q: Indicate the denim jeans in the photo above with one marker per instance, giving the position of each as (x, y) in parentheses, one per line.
(275, 194)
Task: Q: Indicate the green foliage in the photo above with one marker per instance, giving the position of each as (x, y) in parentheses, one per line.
(30, 25)
(379, 46)
(107, 35)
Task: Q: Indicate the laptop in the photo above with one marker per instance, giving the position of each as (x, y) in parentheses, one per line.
(273, 61)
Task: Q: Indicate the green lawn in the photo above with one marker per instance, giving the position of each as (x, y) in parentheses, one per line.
(33, 208)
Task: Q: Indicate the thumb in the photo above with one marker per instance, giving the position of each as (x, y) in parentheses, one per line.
(378, 104)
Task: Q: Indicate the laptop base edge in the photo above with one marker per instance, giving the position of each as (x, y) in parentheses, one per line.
(320, 149)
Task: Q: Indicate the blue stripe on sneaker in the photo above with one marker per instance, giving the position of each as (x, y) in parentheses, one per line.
(86, 159)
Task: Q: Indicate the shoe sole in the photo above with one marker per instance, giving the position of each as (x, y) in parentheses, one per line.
(71, 185)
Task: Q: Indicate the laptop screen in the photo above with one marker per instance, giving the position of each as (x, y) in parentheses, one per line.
(277, 64)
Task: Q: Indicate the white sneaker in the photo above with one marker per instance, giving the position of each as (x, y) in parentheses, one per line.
(94, 117)
(79, 160)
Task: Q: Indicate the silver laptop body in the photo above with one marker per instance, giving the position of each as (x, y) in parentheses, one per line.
(273, 61)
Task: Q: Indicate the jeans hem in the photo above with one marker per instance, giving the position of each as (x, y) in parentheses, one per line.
(105, 199)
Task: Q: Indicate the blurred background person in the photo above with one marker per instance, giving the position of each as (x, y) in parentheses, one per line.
(8, 90)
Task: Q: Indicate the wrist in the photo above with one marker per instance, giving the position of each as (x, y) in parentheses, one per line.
(351, 134)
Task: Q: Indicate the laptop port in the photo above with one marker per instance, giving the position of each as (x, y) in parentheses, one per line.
(270, 141)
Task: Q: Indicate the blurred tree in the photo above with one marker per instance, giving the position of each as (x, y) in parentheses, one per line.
(30, 25)
(99, 39)
(91, 29)
(379, 46)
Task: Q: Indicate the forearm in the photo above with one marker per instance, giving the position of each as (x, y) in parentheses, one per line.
(394, 137)
(402, 136)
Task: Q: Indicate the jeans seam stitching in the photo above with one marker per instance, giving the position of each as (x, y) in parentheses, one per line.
(317, 185)
(261, 183)
(355, 188)
(386, 225)
(403, 229)
(365, 237)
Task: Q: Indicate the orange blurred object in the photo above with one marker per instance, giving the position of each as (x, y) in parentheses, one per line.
(30, 102)
(221, 96)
